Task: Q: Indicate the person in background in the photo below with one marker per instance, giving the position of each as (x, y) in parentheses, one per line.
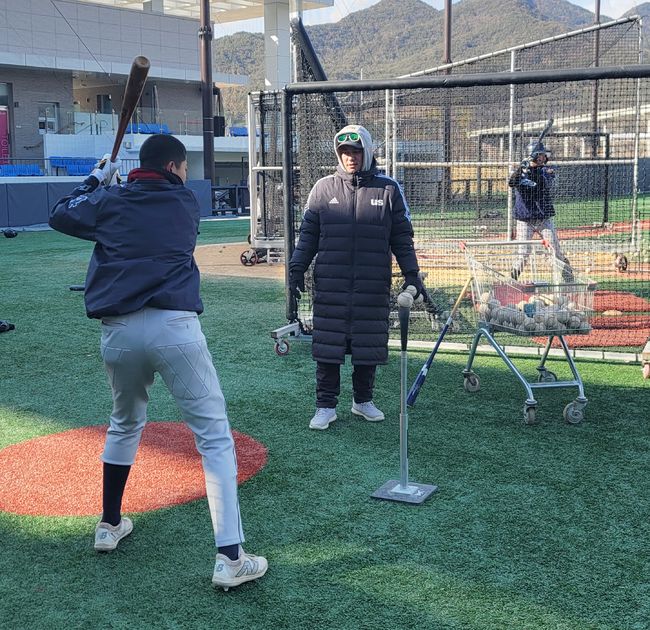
(534, 209)
(354, 221)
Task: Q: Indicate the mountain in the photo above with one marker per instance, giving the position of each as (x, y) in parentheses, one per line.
(396, 37)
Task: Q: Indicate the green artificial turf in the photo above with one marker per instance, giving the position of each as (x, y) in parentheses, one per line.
(542, 527)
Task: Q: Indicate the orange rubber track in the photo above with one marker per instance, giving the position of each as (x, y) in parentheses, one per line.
(61, 474)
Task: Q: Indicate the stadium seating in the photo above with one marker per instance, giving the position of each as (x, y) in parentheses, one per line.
(19, 170)
(147, 128)
(239, 132)
(73, 165)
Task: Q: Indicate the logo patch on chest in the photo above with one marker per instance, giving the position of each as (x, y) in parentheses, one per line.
(376, 202)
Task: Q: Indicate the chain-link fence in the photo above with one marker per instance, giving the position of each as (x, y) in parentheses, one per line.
(452, 144)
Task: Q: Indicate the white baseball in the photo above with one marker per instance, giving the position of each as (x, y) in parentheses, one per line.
(410, 289)
(405, 299)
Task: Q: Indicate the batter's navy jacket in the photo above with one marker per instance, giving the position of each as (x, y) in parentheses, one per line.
(533, 203)
(145, 234)
(354, 223)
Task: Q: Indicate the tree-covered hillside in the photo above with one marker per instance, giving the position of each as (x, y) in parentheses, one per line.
(396, 37)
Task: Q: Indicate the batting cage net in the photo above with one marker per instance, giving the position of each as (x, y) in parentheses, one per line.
(453, 144)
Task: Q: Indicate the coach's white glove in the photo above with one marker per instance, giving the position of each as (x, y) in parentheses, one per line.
(106, 171)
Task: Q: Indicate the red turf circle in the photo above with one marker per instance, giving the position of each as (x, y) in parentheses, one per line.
(61, 474)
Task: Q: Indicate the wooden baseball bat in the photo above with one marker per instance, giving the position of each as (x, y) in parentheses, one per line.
(132, 93)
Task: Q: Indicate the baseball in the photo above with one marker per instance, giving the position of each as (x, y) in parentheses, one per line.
(405, 298)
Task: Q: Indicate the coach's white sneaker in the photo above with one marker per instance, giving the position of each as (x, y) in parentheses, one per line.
(107, 536)
(368, 411)
(228, 573)
(323, 417)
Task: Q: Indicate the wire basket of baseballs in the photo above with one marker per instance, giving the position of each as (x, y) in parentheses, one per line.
(540, 311)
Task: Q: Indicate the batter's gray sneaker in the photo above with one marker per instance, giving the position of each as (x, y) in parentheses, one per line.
(368, 411)
(228, 573)
(107, 536)
(323, 417)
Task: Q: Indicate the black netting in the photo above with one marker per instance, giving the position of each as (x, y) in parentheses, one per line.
(452, 151)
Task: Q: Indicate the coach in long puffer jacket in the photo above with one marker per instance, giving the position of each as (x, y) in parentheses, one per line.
(354, 221)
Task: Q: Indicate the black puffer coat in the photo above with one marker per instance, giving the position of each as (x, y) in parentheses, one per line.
(354, 222)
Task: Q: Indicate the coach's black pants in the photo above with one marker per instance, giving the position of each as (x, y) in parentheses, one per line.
(328, 383)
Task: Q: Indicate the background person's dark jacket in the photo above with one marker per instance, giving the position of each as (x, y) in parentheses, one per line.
(144, 233)
(533, 203)
(353, 223)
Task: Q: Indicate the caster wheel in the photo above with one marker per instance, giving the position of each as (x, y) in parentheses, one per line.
(530, 415)
(573, 413)
(546, 376)
(646, 370)
(281, 348)
(621, 263)
(248, 258)
(472, 383)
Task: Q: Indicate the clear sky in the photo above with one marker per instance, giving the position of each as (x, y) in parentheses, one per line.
(341, 8)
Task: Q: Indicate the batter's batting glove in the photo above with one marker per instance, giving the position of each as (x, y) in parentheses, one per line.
(105, 170)
(414, 280)
(296, 284)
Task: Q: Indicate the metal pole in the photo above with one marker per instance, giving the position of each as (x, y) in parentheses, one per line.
(491, 79)
(446, 142)
(479, 156)
(447, 33)
(287, 198)
(637, 130)
(205, 39)
(393, 137)
(594, 111)
(387, 150)
(403, 411)
(511, 142)
(252, 162)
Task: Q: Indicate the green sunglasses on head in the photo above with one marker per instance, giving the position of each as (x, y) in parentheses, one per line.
(352, 136)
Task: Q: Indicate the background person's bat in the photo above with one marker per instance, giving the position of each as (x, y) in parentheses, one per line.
(132, 93)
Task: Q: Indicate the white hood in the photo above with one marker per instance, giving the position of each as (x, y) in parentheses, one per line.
(366, 142)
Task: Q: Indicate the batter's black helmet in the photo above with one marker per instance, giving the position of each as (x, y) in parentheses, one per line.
(537, 148)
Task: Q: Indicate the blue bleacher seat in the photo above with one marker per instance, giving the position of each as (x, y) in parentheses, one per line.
(239, 132)
(143, 127)
(20, 170)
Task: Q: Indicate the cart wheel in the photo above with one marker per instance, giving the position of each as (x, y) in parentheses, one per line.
(646, 370)
(546, 376)
(530, 415)
(472, 383)
(281, 348)
(248, 258)
(573, 413)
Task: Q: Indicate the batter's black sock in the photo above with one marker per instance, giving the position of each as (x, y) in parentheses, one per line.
(230, 551)
(115, 477)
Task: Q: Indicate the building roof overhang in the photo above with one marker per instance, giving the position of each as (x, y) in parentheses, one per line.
(220, 10)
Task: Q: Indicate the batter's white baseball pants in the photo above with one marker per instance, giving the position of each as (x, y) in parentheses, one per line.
(136, 346)
(546, 229)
